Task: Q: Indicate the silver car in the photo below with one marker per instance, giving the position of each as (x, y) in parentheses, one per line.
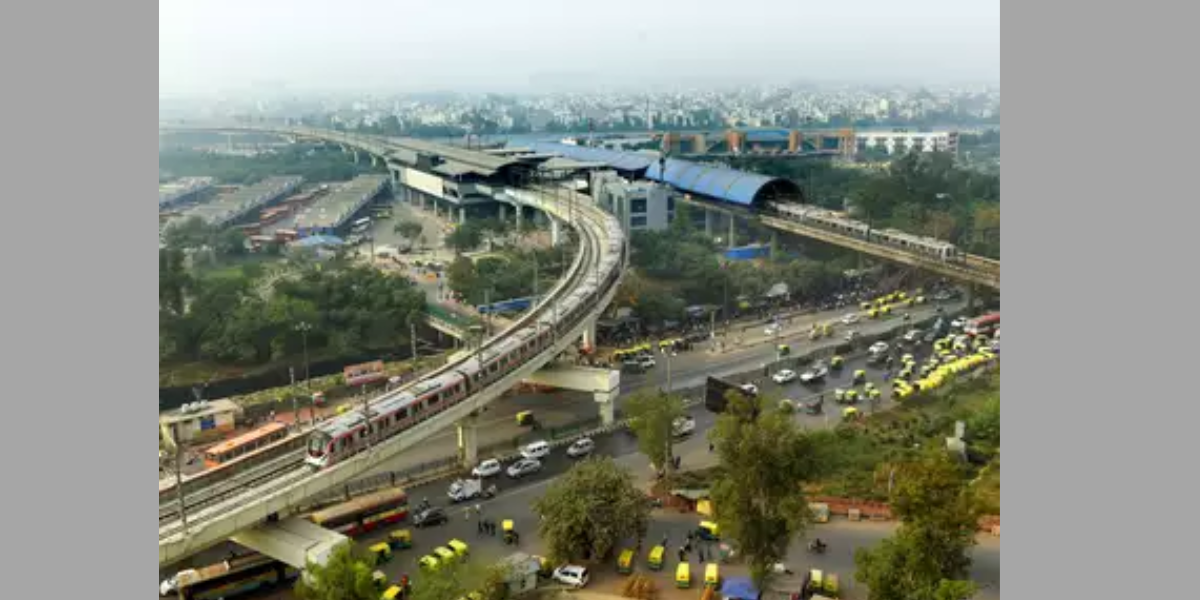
(581, 447)
(524, 467)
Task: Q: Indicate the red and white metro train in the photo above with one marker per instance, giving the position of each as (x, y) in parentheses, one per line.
(345, 435)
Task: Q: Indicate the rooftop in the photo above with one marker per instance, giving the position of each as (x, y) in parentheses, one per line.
(228, 207)
(334, 209)
(623, 161)
(480, 160)
(727, 185)
(212, 407)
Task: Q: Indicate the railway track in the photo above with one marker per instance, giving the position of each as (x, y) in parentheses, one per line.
(216, 498)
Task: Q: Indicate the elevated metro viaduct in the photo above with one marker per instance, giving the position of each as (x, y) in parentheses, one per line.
(294, 542)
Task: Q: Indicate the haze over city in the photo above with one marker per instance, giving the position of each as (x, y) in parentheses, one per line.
(218, 47)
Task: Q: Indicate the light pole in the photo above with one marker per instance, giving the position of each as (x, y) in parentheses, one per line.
(412, 336)
(304, 327)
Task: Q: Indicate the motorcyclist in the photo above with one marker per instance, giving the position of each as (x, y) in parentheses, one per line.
(817, 545)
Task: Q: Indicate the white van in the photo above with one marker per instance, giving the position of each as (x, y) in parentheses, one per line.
(538, 449)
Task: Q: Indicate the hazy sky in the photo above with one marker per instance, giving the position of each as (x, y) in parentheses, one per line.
(531, 45)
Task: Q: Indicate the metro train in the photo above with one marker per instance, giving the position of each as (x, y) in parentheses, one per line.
(827, 219)
(345, 435)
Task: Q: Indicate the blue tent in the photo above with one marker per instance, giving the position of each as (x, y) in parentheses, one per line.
(739, 588)
(316, 241)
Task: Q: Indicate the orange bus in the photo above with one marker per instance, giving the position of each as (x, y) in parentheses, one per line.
(244, 444)
(365, 513)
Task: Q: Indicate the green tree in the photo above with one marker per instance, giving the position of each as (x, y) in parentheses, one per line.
(928, 556)
(173, 280)
(409, 229)
(591, 509)
(465, 237)
(652, 419)
(757, 494)
(457, 579)
(345, 576)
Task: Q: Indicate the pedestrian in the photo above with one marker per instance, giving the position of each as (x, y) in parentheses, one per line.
(678, 460)
(682, 555)
(480, 526)
(664, 542)
(700, 552)
(710, 446)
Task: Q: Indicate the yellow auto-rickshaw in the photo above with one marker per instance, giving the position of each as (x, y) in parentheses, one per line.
(444, 554)
(831, 585)
(860, 375)
(839, 395)
(392, 593)
(708, 531)
(428, 562)
(885, 311)
(868, 386)
(401, 539)
(655, 559)
(784, 350)
(873, 313)
(683, 576)
(851, 396)
(816, 580)
(459, 547)
(343, 409)
(381, 552)
(836, 362)
(712, 577)
(525, 417)
(850, 413)
(865, 305)
(625, 562)
(510, 536)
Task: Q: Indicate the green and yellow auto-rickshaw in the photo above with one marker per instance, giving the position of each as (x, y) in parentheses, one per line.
(860, 375)
(444, 554)
(380, 579)
(459, 547)
(712, 576)
(625, 562)
(381, 553)
(683, 576)
(836, 362)
(851, 397)
(708, 531)
(392, 593)
(783, 350)
(525, 418)
(429, 563)
(400, 539)
(655, 559)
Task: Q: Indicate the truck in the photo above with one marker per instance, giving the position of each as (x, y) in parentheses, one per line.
(467, 489)
(715, 389)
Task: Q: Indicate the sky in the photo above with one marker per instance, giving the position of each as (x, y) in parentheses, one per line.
(210, 47)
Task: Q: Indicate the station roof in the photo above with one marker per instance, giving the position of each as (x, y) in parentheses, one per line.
(624, 161)
(453, 169)
(334, 209)
(479, 160)
(566, 164)
(228, 206)
(727, 185)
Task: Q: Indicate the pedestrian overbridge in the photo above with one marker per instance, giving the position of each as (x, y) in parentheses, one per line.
(295, 541)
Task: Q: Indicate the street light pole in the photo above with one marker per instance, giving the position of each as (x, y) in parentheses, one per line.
(304, 327)
(179, 450)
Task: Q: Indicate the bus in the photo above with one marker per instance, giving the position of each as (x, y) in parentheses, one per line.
(715, 389)
(361, 225)
(244, 444)
(365, 513)
(229, 579)
(984, 325)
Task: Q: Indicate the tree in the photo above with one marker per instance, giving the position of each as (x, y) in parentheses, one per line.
(592, 508)
(927, 558)
(409, 229)
(346, 576)
(652, 419)
(457, 579)
(464, 237)
(757, 494)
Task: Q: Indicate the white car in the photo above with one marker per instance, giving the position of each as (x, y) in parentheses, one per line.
(912, 336)
(749, 388)
(488, 468)
(524, 467)
(571, 575)
(958, 323)
(581, 447)
(784, 376)
(683, 426)
(851, 336)
(536, 450)
(771, 329)
(878, 347)
(850, 319)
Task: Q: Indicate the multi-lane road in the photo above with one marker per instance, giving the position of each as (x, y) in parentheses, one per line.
(516, 496)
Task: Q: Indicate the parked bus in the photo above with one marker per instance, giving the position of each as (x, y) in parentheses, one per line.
(365, 513)
(984, 325)
(244, 444)
(228, 579)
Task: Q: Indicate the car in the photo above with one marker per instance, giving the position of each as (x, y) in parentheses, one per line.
(814, 373)
(646, 362)
(850, 319)
(851, 336)
(878, 348)
(524, 467)
(958, 323)
(571, 575)
(912, 336)
(488, 468)
(581, 447)
(784, 376)
(749, 389)
(429, 518)
(772, 329)
(683, 426)
(536, 450)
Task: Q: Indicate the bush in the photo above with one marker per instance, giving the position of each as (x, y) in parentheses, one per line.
(641, 587)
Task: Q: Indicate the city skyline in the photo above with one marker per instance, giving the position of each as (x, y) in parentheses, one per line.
(536, 46)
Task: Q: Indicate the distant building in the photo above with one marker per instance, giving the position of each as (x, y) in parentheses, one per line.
(201, 421)
(638, 206)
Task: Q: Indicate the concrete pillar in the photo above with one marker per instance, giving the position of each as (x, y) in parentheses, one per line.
(589, 335)
(503, 211)
(434, 201)
(709, 222)
(462, 215)
(606, 402)
(520, 216)
(356, 157)
(555, 231)
(468, 442)
(732, 231)
(374, 161)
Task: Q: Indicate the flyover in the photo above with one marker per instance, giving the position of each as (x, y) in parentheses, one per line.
(598, 265)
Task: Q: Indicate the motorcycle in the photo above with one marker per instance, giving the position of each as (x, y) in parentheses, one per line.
(817, 547)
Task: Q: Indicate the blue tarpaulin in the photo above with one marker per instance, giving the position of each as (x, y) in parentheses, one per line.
(738, 588)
